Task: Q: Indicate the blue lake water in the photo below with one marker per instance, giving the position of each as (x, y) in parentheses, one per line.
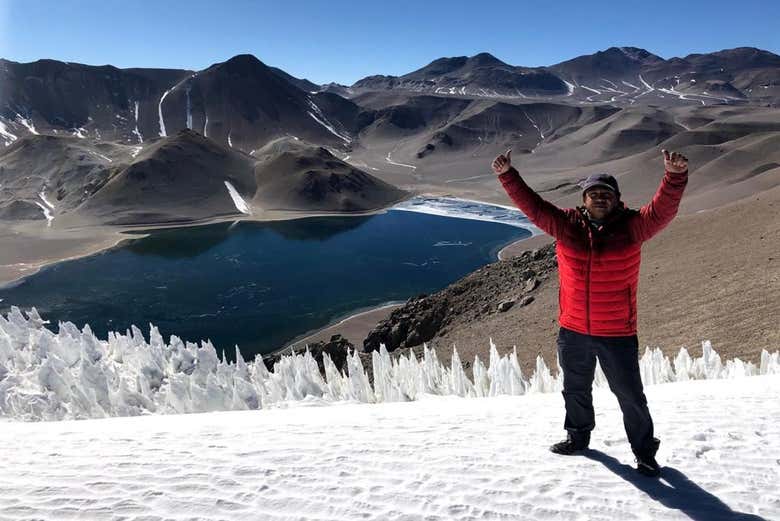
(261, 285)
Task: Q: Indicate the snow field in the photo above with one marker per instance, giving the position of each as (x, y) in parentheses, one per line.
(438, 458)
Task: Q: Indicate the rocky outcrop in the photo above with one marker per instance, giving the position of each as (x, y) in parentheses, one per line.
(494, 288)
(337, 349)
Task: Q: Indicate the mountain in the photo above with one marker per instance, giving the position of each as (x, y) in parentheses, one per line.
(241, 102)
(294, 175)
(56, 173)
(626, 74)
(614, 63)
(48, 96)
(182, 178)
(178, 179)
(478, 75)
(245, 104)
(620, 75)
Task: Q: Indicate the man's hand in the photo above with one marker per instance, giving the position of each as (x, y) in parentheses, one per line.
(503, 163)
(674, 163)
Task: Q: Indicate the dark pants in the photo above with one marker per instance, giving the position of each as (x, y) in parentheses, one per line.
(619, 359)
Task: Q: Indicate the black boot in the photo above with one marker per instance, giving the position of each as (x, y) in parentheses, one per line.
(646, 463)
(571, 445)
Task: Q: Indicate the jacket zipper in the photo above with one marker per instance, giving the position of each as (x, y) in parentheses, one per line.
(587, 281)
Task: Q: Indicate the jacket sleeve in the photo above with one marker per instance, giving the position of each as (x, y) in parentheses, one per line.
(542, 213)
(655, 215)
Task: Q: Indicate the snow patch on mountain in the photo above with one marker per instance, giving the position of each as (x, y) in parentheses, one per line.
(390, 160)
(630, 85)
(189, 107)
(239, 201)
(101, 156)
(8, 138)
(160, 112)
(135, 130)
(46, 213)
(45, 200)
(322, 120)
(28, 123)
(647, 85)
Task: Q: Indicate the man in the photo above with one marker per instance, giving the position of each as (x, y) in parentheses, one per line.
(598, 249)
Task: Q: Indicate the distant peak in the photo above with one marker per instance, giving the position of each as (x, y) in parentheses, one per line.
(243, 58)
(633, 50)
(633, 53)
(455, 61)
(243, 62)
(485, 58)
(743, 51)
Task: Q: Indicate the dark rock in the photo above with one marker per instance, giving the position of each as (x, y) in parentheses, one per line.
(421, 319)
(424, 151)
(496, 286)
(337, 349)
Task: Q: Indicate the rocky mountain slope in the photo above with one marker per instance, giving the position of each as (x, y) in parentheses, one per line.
(246, 103)
(479, 75)
(179, 179)
(622, 75)
(293, 175)
(240, 102)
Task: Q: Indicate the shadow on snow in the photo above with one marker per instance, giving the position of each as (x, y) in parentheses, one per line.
(674, 490)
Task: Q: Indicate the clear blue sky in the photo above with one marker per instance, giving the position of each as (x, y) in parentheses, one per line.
(343, 41)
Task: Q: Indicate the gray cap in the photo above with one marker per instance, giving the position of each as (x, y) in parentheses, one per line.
(605, 180)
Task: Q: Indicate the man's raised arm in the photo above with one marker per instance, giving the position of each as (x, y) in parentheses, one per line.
(542, 213)
(654, 216)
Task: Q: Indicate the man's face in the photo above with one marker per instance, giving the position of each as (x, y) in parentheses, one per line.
(600, 201)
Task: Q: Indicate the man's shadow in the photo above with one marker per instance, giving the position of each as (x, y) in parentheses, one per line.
(674, 490)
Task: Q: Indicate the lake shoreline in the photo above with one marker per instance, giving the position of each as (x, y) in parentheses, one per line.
(94, 241)
(54, 245)
(86, 240)
(347, 325)
(356, 325)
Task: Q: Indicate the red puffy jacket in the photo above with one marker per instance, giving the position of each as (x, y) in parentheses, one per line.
(598, 268)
